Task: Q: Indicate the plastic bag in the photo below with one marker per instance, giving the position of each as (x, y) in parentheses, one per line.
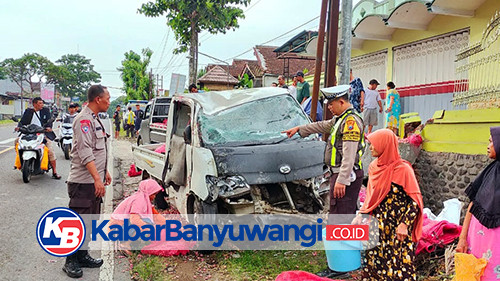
(451, 211)
(17, 164)
(44, 165)
(468, 267)
(132, 172)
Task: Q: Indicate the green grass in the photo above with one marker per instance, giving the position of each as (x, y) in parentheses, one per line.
(232, 265)
(6, 121)
(148, 268)
(266, 265)
(122, 134)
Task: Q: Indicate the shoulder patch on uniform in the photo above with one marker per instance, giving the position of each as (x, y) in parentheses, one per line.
(85, 126)
(351, 131)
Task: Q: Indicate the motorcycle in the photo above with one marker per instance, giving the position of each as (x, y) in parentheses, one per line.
(32, 152)
(65, 138)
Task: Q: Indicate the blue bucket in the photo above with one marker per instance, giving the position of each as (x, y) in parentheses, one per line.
(342, 256)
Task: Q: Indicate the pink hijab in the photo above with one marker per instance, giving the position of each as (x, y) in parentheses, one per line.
(138, 203)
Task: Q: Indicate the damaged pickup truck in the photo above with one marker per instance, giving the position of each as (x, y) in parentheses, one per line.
(225, 153)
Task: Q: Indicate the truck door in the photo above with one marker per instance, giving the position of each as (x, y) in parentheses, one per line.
(144, 131)
(176, 168)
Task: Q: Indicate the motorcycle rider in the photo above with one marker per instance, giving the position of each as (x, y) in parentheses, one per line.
(40, 115)
(70, 116)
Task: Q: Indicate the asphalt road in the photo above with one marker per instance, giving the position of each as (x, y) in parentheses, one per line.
(21, 206)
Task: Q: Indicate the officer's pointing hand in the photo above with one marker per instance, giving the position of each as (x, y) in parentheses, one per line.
(338, 190)
(291, 132)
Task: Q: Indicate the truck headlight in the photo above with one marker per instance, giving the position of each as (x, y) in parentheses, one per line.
(227, 187)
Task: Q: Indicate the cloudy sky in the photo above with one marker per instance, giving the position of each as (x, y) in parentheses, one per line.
(104, 30)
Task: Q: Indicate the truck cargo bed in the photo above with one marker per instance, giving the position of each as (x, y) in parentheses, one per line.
(147, 159)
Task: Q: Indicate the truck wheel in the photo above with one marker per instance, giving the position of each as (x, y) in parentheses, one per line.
(160, 201)
(200, 210)
(145, 174)
(198, 207)
(27, 171)
(67, 150)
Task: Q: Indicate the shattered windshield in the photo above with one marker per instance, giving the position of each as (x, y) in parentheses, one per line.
(257, 122)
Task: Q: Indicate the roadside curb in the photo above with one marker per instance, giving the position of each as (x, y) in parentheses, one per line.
(107, 252)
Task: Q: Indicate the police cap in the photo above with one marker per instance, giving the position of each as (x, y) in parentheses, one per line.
(335, 91)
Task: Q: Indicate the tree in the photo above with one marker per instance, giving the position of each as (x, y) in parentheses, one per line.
(188, 18)
(73, 74)
(134, 75)
(201, 72)
(245, 82)
(3, 74)
(31, 68)
(121, 100)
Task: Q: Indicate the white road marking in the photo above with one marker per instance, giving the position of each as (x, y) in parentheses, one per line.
(7, 149)
(7, 141)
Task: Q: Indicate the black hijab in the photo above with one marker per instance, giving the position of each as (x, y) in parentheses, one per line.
(484, 192)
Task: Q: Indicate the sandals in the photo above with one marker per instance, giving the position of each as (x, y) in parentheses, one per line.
(56, 176)
(124, 250)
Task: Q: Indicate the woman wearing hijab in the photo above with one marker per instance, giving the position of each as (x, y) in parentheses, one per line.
(393, 197)
(481, 229)
(393, 108)
(137, 208)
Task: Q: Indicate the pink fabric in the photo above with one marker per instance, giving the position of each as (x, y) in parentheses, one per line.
(437, 233)
(165, 248)
(160, 149)
(132, 172)
(138, 203)
(162, 125)
(301, 276)
(362, 194)
(415, 139)
(483, 243)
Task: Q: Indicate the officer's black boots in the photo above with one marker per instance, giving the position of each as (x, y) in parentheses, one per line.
(75, 262)
(72, 267)
(85, 260)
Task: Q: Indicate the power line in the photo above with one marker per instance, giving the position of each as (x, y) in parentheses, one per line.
(251, 6)
(275, 38)
(163, 50)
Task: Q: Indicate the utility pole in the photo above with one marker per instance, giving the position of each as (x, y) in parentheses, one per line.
(319, 59)
(345, 44)
(150, 83)
(157, 84)
(331, 44)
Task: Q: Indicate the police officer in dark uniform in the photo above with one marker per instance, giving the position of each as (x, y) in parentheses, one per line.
(88, 174)
(343, 153)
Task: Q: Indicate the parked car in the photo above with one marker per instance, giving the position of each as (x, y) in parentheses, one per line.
(225, 153)
(154, 124)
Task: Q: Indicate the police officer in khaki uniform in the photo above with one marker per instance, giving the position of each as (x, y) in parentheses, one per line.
(88, 174)
(343, 152)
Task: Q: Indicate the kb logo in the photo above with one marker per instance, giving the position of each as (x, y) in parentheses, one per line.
(60, 232)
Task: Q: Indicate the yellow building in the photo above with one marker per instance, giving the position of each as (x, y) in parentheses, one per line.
(442, 55)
